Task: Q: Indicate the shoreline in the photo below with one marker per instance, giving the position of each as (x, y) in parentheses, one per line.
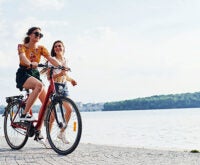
(35, 153)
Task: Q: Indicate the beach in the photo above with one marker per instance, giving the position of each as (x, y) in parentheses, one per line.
(90, 154)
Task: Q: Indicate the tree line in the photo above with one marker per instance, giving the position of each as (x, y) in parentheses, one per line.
(35, 109)
(185, 100)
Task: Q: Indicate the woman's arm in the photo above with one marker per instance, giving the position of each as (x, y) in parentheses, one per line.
(27, 62)
(53, 61)
(71, 80)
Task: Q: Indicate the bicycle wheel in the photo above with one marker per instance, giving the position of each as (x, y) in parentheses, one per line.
(69, 121)
(14, 131)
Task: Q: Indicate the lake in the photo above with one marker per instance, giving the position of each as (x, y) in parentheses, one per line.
(158, 129)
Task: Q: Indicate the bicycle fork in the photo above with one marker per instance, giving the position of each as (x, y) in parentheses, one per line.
(61, 124)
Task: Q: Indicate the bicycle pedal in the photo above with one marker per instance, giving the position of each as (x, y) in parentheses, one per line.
(38, 135)
(37, 138)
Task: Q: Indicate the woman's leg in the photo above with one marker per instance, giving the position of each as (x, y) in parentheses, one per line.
(67, 113)
(52, 118)
(42, 99)
(36, 86)
(42, 95)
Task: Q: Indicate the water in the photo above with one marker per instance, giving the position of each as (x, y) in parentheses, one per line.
(159, 129)
(169, 129)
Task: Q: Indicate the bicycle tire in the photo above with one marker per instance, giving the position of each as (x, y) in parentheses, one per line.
(15, 137)
(74, 127)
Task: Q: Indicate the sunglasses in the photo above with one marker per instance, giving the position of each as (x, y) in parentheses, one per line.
(37, 34)
(59, 46)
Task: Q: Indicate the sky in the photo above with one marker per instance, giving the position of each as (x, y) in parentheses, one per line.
(117, 50)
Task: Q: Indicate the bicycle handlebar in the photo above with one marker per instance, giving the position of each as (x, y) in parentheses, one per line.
(53, 67)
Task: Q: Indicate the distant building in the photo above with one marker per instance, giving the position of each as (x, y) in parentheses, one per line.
(90, 106)
(80, 105)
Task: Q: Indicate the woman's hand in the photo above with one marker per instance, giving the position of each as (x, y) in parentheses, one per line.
(73, 82)
(34, 64)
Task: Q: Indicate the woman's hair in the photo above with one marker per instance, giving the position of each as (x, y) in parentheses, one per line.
(30, 31)
(53, 53)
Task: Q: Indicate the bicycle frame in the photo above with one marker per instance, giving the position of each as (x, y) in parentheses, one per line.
(50, 91)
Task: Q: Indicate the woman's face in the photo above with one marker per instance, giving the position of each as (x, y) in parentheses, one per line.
(36, 35)
(59, 48)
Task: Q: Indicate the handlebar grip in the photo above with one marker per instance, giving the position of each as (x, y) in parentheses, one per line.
(64, 68)
(42, 65)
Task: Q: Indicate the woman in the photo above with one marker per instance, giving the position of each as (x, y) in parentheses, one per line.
(61, 77)
(27, 75)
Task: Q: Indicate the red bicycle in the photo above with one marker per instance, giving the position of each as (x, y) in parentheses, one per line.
(17, 131)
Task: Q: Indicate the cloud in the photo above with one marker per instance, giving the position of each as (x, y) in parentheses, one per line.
(49, 29)
(3, 28)
(1, 1)
(43, 5)
(141, 66)
(99, 58)
(99, 45)
(3, 22)
(9, 60)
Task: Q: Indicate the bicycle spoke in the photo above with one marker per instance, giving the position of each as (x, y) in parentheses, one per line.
(14, 133)
(64, 133)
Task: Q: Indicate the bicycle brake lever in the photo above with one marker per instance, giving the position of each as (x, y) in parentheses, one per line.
(68, 69)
